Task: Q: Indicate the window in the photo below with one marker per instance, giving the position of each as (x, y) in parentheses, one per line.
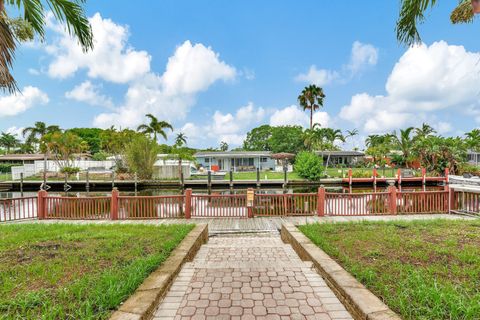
(207, 160)
(263, 159)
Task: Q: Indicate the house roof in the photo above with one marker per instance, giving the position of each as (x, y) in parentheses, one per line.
(340, 153)
(22, 157)
(232, 154)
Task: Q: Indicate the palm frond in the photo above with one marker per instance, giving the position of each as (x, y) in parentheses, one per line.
(463, 13)
(7, 55)
(411, 14)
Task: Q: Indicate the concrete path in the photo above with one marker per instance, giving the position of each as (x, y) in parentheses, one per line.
(249, 277)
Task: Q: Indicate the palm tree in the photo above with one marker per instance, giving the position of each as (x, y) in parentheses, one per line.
(181, 139)
(311, 99)
(35, 134)
(155, 127)
(424, 131)
(412, 12)
(404, 142)
(33, 21)
(473, 140)
(223, 146)
(351, 133)
(8, 141)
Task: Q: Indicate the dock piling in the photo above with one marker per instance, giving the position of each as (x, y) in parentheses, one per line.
(87, 180)
(21, 183)
(209, 182)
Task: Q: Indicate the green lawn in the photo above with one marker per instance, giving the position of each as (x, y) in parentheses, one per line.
(422, 270)
(63, 271)
(264, 175)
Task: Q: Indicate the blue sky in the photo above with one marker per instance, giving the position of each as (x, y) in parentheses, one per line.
(215, 69)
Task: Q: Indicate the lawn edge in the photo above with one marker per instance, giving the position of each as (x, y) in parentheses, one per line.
(142, 303)
(358, 300)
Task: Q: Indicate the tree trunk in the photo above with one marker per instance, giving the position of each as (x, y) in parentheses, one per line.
(311, 118)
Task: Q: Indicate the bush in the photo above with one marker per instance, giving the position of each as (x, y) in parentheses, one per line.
(309, 166)
(100, 156)
(6, 167)
(140, 156)
(70, 170)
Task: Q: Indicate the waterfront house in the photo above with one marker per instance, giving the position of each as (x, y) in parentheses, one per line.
(341, 158)
(235, 160)
(473, 157)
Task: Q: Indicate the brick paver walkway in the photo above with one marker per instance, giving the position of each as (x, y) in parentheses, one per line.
(249, 277)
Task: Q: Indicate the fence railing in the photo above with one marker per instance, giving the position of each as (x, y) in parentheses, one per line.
(18, 209)
(188, 205)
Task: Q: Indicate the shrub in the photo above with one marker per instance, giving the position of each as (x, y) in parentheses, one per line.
(70, 170)
(140, 156)
(309, 166)
(6, 167)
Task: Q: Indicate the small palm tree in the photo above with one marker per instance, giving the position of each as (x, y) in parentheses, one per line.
(311, 99)
(155, 127)
(35, 134)
(424, 131)
(351, 133)
(223, 146)
(8, 141)
(181, 139)
(33, 21)
(404, 142)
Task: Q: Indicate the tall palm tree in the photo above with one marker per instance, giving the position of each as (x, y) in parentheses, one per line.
(223, 146)
(180, 139)
(35, 134)
(351, 133)
(412, 13)
(155, 127)
(311, 99)
(473, 140)
(8, 141)
(31, 21)
(404, 142)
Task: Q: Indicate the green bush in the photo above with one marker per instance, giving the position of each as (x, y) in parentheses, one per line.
(6, 167)
(70, 170)
(309, 166)
(140, 155)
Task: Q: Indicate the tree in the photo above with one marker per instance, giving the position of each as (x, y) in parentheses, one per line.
(63, 146)
(288, 139)
(311, 99)
(91, 136)
(155, 127)
(114, 142)
(258, 139)
(8, 141)
(438, 153)
(412, 13)
(36, 133)
(140, 156)
(32, 22)
(424, 131)
(180, 139)
(473, 140)
(223, 146)
(404, 142)
(309, 166)
(378, 146)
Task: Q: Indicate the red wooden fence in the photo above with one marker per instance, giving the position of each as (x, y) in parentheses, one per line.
(221, 205)
(18, 209)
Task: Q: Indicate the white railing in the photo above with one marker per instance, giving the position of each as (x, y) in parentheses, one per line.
(37, 167)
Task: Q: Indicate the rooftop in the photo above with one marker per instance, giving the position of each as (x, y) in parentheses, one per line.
(233, 154)
(340, 153)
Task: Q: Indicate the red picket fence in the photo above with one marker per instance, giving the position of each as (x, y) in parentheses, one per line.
(304, 204)
(219, 206)
(361, 204)
(18, 209)
(73, 208)
(191, 205)
(422, 202)
(466, 202)
(155, 207)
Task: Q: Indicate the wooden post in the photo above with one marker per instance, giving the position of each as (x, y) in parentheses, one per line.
(114, 205)
(250, 201)
(447, 172)
(374, 177)
(258, 177)
(209, 182)
(188, 203)
(424, 176)
(393, 199)
(41, 204)
(321, 202)
(350, 176)
(399, 176)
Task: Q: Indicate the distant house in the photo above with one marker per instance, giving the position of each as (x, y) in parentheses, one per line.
(235, 160)
(341, 158)
(21, 159)
(473, 157)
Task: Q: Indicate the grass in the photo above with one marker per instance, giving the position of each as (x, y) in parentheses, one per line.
(422, 270)
(64, 271)
(264, 175)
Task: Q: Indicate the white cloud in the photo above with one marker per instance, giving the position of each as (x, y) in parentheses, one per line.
(191, 69)
(362, 55)
(425, 79)
(89, 93)
(16, 131)
(443, 127)
(33, 71)
(293, 115)
(320, 77)
(19, 102)
(111, 59)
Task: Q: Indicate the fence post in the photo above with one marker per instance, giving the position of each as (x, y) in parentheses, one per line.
(114, 205)
(188, 203)
(321, 202)
(399, 176)
(41, 205)
(424, 176)
(350, 174)
(447, 172)
(250, 201)
(393, 199)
